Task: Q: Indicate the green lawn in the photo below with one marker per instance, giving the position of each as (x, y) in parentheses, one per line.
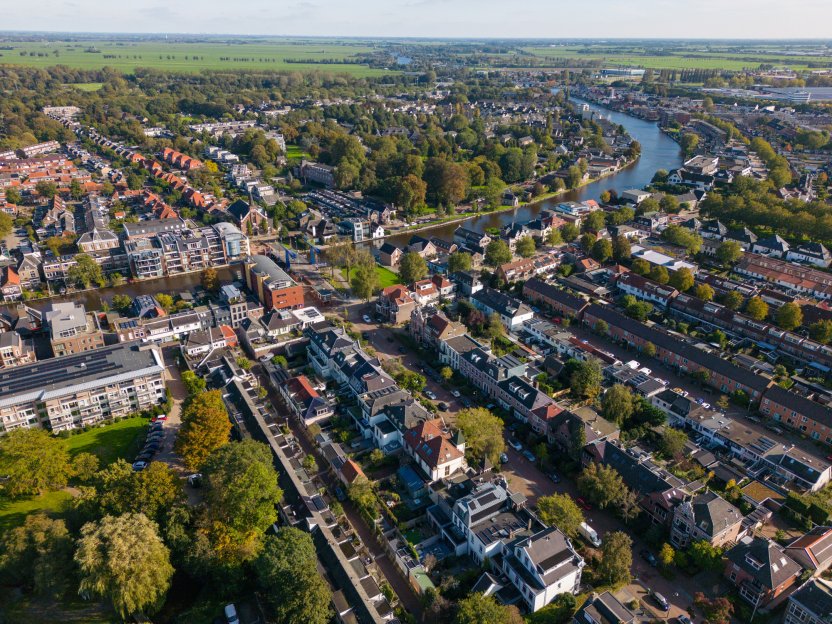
(12, 513)
(193, 56)
(86, 86)
(386, 277)
(111, 442)
(296, 152)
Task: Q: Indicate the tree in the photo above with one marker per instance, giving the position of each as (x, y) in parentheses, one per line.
(32, 462)
(124, 560)
(152, 491)
(704, 292)
(122, 302)
(459, 261)
(6, 224)
(821, 331)
(602, 250)
(210, 280)
(672, 442)
(669, 204)
(728, 253)
(412, 267)
(640, 266)
(621, 249)
(410, 193)
(483, 433)
(554, 237)
(717, 611)
(364, 281)
(242, 489)
(47, 190)
(287, 575)
(447, 182)
(617, 404)
(705, 556)
(480, 609)
(205, 428)
(756, 308)
(627, 505)
(601, 484)
(666, 554)
(683, 237)
(595, 221)
(585, 380)
(497, 252)
(165, 301)
(86, 272)
(494, 328)
(569, 232)
(649, 349)
(446, 373)
(561, 511)
(616, 558)
(84, 466)
(13, 196)
(689, 143)
(193, 383)
(525, 247)
(733, 300)
(789, 316)
(38, 555)
(682, 279)
(659, 274)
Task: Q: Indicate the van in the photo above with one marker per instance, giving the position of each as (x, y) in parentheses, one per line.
(589, 534)
(231, 614)
(661, 601)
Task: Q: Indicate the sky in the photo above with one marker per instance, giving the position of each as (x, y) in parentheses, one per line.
(691, 19)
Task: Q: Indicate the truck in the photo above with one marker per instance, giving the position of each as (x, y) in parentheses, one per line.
(589, 534)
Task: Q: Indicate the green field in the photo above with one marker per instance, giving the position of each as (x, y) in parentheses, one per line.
(86, 86)
(118, 440)
(127, 55)
(386, 277)
(677, 59)
(12, 513)
(295, 152)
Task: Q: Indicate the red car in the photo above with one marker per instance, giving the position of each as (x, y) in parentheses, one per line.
(583, 504)
(160, 417)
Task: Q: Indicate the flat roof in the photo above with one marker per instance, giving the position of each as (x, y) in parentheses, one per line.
(91, 369)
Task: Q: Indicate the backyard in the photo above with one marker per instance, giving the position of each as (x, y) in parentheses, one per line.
(386, 277)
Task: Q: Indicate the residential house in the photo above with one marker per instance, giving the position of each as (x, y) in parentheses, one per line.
(389, 255)
(10, 286)
(272, 285)
(645, 289)
(395, 304)
(467, 283)
(438, 453)
(512, 312)
(71, 329)
(773, 246)
(762, 571)
(423, 247)
(605, 609)
(467, 238)
(424, 292)
(707, 517)
(452, 349)
(15, 350)
(580, 424)
(797, 412)
(810, 604)
(812, 550)
(429, 326)
(527, 403)
(248, 217)
(561, 301)
(303, 400)
(810, 253)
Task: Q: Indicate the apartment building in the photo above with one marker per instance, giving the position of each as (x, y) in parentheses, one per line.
(71, 328)
(82, 389)
(272, 285)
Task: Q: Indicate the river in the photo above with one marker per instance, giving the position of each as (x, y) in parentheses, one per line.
(657, 152)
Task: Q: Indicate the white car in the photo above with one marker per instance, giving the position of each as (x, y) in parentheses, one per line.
(366, 319)
(139, 465)
(455, 394)
(430, 395)
(515, 445)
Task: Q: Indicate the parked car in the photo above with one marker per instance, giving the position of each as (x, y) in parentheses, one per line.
(160, 417)
(649, 557)
(366, 335)
(503, 458)
(661, 601)
(139, 465)
(515, 444)
(529, 455)
(466, 402)
(684, 619)
(153, 445)
(589, 534)
(555, 477)
(340, 494)
(583, 504)
(456, 394)
(231, 614)
(430, 395)
(366, 319)
(144, 456)
(443, 406)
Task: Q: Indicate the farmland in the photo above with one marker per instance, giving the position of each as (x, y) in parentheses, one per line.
(192, 56)
(678, 58)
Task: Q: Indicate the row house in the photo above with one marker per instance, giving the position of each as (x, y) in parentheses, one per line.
(527, 403)
(512, 312)
(10, 286)
(485, 371)
(810, 604)
(180, 160)
(301, 397)
(793, 277)
(201, 342)
(722, 375)
(451, 350)
(644, 289)
(467, 238)
(429, 326)
(810, 417)
(560, 301)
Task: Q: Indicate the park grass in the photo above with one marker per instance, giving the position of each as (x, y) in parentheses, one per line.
(13, 513)
(119, 440)
(254, 54)
(386, 277)
(69, 610)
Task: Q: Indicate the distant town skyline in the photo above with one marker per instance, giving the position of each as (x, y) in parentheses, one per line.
(705, 19)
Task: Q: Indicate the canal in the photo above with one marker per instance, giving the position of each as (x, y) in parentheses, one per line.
(657, 152)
